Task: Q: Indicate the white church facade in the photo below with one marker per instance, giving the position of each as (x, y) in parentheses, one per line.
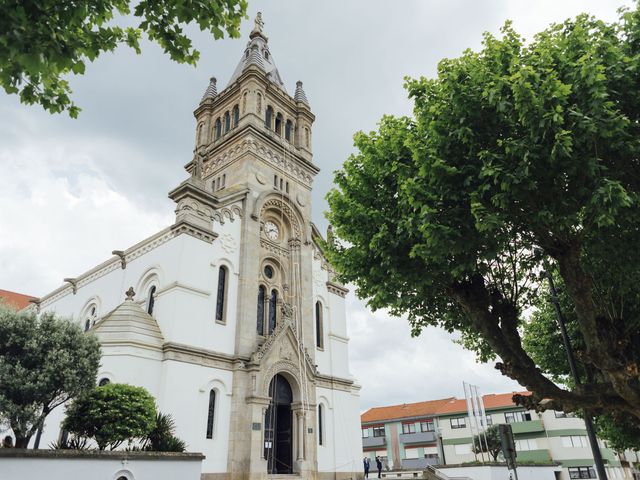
(234, 322)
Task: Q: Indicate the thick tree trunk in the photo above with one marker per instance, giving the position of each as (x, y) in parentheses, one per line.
(22, 442)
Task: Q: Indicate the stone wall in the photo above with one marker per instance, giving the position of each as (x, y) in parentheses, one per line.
(65, 464)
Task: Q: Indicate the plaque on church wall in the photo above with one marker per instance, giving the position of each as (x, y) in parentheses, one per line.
(256, 426)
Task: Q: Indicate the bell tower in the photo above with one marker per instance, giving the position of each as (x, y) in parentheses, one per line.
(253, 150)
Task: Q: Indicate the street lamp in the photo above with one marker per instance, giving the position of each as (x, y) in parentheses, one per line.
(593, 441)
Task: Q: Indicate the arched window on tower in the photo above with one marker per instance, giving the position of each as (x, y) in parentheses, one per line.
(307, 140)
(268, 118)
(260, 320)
(319, 332)
(227, 122)
(87, 325)
(279, 124)
(236, 115)
(200, 139)
(273, 303)
(218, 129)
(287, 130)
(320, 425)
(151, 300)
(222, 291)
(211, 413)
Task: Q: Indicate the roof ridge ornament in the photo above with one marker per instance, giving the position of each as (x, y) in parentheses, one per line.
(300, 96)
(130, 294)
(211, 91)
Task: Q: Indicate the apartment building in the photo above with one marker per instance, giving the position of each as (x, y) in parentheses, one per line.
(439, 432)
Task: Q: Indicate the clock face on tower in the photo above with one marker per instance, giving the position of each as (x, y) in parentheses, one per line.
(271, 230)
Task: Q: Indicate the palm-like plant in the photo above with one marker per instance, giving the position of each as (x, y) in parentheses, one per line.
(162, 438)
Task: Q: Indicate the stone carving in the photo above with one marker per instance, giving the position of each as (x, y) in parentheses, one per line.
(287, 311)
(228, 243)
(130, 294)
(273, 248)
(227, 213)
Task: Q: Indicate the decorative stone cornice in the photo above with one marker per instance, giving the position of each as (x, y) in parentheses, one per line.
(337, 289)
(196, 231)
(199, 356)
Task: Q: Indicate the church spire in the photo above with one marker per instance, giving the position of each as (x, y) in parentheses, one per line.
(257, 53)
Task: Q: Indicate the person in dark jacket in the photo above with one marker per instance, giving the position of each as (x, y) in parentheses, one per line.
(379, 465)
(367, 464)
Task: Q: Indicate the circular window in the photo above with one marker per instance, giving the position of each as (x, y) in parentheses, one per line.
(268, 271)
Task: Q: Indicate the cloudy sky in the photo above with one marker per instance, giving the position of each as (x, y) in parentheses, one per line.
(72, 191)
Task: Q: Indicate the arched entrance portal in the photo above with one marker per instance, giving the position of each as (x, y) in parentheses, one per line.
(278, 427)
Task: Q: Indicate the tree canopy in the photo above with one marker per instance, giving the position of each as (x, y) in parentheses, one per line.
(489, 442)
(42, 42)
(515, 153)
(112, 414)
(43, 363)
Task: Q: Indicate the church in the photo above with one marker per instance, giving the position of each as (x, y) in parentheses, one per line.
(231, 316)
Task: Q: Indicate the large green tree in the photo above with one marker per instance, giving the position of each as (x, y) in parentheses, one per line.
(42, 42)
(514, 153)
(44, 362)
(112, 414)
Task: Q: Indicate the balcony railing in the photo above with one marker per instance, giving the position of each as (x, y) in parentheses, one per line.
(418, 437)
(419, 463)
(373, 442)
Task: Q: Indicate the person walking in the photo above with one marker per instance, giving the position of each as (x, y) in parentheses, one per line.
(379, 465)
(367, 464)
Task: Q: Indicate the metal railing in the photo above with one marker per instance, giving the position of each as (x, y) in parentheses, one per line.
(442, 476)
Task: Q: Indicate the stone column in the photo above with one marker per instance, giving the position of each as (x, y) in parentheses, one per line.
(300, 439)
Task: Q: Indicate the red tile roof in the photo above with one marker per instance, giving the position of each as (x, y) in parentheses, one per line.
(407, 410)
(445, 406)
(16, 300)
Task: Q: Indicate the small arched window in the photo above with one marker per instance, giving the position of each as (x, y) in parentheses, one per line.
(222, 290)
(227, 122)
(200, 135)
(319, 333)
(211, 413)
(87, 325)
(320, 425)
(260, 320)
(218, 129)
(307, 141)
(273, 303)
(287, 130)
(268, 118)
(236, 115)
(151, 300)
(279, 124)
(104, 381)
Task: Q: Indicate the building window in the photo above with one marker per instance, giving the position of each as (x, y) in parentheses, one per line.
(462, 448)
(218, 129)
(260, 319)
(487, 421)
(513, 417)
(460, 422)
(563, 414)
(273, 302)
(287, 130)
(200, 136)
(87, 325)
(307, 141)
(365, 433)
(279, 124)
(227, 122)
(411, 452)
(236, 115)
(574, 441)
(103, 381)
(319, 334)
(408, 428)
(526, 444)
(211, 413)
(268, 118)
(222, 288)
(320, 424)
(151, 300)
(582, 472)
(427, 426)
(378, 431)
